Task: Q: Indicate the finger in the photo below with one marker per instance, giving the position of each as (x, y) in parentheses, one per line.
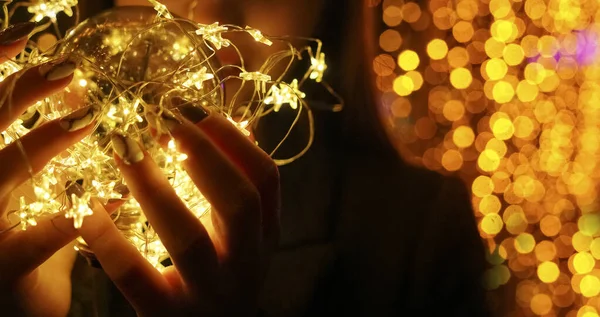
(32, 247)
(256, 164)
(142, 285)
(21, 90)
(13, 39)
(180, 231)
(235, 200)
(35, 149)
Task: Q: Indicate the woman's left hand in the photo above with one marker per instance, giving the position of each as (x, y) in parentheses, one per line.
(219, 265)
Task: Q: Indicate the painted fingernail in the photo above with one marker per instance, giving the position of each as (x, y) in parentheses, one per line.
(73, 188)
(127, 149)
(192, 112)
(58, 70)
(122, 189)
(170, 121)
(166, 121)
(16, 32)
(78, 119)
(31, 119)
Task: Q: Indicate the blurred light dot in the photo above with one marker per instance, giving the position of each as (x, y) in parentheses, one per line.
(411, 12)
(461, 78)
(392, 15)
(488, 160)
(587, 311)
(503, 129)
(500, 8)
(544, 111)
(463, 31)
(496, 68)
(467, 9)
(526, 91)
(458, 57)
(581, 242)
(482, 186)
(529, 44)
(453, 110)
(513, 54)
(503, 92)
(595, 248)
(550, 225)
(523, 127)
(401, 108)
(524, 243)
(444, 18)
(547, 46)
(416, 78)
(535, 9)
(491, 224)
(384, 65)
(503, 30)
(535, 73)
(590, 286)
(490, 204)
(589, 224)
(541, 304)
(548, 272)
(463, 136)
(437, 49)
(403, 85)
(515, 220)
(452, 160)
(408, 60)
(583, 262)
(494, 48)
(390, 40)
(545, 251)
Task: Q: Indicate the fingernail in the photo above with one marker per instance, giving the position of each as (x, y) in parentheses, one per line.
(58, 70)
(127, 149)
(170, 121)
(78, 119)
(166, 121)
(31, 119)
(122, 189)
(193, 113)
(16, 32)
(73, 188)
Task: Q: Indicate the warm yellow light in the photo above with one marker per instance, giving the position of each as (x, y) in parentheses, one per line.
(408, 60)
(548, 272)
(437, 49)
(461, 78)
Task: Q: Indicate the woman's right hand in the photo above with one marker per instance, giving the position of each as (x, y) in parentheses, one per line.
(35, 265)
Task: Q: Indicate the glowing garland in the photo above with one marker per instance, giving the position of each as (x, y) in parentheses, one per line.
(193, 80)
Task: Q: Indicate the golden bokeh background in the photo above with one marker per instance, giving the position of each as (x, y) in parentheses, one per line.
(506, 95)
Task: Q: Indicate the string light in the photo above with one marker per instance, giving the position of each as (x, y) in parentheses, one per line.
(284, 94)
(214, 34)
(50, 8)
(133, 77)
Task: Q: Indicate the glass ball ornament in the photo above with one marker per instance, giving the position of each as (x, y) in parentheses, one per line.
(133, 67)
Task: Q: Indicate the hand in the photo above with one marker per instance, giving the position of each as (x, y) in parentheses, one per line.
(34, 277)
(218, 264)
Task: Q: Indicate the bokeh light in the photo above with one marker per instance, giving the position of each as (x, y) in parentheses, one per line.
(504, 94)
